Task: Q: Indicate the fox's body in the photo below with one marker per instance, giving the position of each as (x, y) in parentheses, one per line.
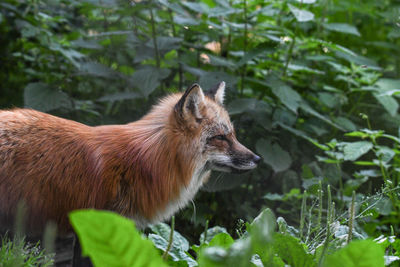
(145, 170)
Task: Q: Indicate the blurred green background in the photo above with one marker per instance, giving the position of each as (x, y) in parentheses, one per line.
(300, 74)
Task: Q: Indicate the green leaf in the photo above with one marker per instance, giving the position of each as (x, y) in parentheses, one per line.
(301, 15)
(148, 78)
(242, 105)
(223, 240)
(290, 250)
(185, 20)
(352, 151)
(261, 233)
(164, 231)
(112, 240)
(176, 253)
(209, 79)
(41, 96)
(289, 97)
(273, 155)
(97, 69)
(386, 87)
(360, 253)
(120, 96)
(222, 62)
(342, 27)
(211, 232)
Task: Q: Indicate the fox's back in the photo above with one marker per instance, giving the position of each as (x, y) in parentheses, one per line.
(43, 160)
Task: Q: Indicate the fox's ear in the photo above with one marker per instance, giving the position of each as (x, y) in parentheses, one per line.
(218, 92)
(190, 103)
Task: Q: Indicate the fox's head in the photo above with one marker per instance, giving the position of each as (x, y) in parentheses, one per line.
(208, 124)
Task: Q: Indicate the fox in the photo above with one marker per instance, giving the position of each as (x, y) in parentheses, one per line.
(145, 170)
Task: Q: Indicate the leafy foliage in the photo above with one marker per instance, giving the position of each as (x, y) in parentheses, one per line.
(313, 87)
(260, 246)
(17, 252)
(117, 243)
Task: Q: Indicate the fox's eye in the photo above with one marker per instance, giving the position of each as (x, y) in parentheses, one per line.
(220, 137)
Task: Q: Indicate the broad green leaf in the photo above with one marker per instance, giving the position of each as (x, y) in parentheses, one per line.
(352, 151)
(185, 20)
(211, 232)
(112, 240)
(242, 105)
(303, 135)
(222, 62)
(360, 253)
(222, 240)
(148, 79)
(301, 15)
(262, 227)
(238, 255)
(387, 87)
(342, 27)
(176, 253)
(41, 96)
(166, 43)
(221, 11)
(97, 69)
(304, 106)
(291, 251)
(209, 79)
(289, 97)
(163, 230)
(261, 234)
(273, 155)
(196, 7)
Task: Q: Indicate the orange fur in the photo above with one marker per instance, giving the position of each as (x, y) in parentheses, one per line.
(145, 170)
(57, 165)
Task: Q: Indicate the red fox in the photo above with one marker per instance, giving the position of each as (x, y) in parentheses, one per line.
(146, 170)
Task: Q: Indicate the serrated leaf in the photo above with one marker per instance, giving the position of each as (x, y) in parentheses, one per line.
(112, 240)
(148, 79)
(342, 27)
(301, 15)
(352, 151)
(41, 96)
(273, 155)
(360, 253)
(289, 97)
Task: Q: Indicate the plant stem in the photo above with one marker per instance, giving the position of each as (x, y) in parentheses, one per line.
(320, 193)
(171, 238)
(303, 213)
(205, 232)
(351, 217)
(244, 47)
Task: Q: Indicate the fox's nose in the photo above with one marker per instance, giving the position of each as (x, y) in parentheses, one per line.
(256, 159)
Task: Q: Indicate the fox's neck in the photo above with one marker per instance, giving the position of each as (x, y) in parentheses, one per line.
(160, 172)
